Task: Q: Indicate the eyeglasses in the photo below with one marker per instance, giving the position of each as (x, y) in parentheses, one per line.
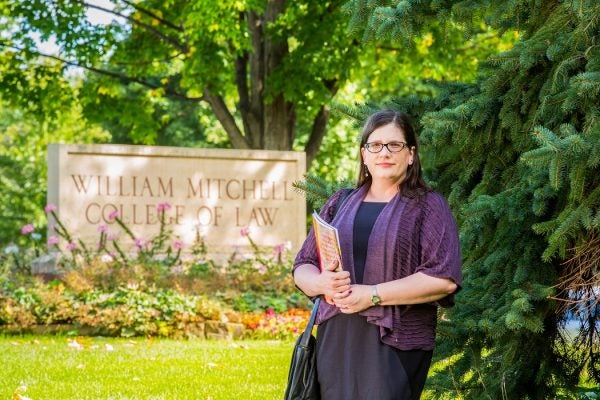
(393, 147)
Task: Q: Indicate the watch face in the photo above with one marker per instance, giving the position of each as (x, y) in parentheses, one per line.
(375, 300)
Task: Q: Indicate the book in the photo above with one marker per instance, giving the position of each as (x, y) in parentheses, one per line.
(328, 243)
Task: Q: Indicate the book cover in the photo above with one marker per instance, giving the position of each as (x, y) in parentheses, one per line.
(328, 243)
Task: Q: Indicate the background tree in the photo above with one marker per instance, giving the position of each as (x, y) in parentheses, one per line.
(38, 106)
(266, 69)
(518, 154)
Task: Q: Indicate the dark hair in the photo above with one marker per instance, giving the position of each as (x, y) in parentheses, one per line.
(413, 185)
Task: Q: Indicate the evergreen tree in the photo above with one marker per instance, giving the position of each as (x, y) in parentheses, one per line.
(518, 156)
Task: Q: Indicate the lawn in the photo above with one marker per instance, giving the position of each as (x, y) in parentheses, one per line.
(57, 368)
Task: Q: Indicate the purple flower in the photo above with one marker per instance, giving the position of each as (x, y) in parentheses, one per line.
(113, 215)
(27, 229)
(50, 208)
(53, 240)
(72, 246)
(102, 228)
(245, 231)
(162, 207)
(139, 243)
(178, 245)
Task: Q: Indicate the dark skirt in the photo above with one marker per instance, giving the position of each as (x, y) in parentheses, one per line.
(353, 363)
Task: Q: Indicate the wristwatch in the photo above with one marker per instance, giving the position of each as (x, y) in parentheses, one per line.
(375, 299)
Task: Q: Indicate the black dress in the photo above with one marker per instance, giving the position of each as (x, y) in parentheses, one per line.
(352, 362)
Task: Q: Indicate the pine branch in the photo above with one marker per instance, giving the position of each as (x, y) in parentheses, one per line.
(317, 190)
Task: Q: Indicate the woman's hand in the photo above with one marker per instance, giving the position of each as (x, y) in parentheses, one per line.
(356, 299)
(333, 284)
(328, 282)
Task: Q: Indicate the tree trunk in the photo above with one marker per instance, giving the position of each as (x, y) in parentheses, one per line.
(269, 120)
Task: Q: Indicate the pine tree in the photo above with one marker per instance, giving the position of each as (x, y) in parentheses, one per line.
(518, 156)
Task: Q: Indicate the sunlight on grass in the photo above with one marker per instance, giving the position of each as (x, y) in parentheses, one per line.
(50, 368)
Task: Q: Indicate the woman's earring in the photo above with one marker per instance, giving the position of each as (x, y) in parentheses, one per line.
(366, 171)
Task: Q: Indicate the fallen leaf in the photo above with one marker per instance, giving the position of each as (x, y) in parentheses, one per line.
(75, 345)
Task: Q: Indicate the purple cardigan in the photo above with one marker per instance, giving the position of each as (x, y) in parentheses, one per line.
(409, 236)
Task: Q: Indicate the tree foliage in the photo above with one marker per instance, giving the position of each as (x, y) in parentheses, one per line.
(516, 153)
(266, 69)
(50, 114)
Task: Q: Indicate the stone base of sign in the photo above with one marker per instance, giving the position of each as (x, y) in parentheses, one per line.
(45, 265)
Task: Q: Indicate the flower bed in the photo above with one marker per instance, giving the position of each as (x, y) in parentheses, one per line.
(155, 291)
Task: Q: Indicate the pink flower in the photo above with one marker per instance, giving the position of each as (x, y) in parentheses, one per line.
(53, 240)
(139, 243)
(27, 229)
(178, 245)
(72, 246)
(50, 208)
(102, 228)
(245, 231)
(278, 249)
(111, 238)
(162, 207)
(113, 215)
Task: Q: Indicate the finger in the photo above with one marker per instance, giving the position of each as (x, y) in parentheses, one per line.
(343, 294)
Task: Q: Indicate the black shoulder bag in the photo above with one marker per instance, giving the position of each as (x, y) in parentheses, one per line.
(303, 382)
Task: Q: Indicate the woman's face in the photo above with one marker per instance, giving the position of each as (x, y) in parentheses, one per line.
(385, 165)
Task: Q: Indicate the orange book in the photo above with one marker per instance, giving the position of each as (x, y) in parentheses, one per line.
(328, 243)
(328, 246)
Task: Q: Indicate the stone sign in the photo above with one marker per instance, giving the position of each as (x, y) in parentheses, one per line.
(208, 193)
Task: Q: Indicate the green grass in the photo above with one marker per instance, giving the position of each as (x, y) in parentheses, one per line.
(107, 368)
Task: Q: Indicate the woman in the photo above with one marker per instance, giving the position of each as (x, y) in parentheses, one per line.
(400, 259)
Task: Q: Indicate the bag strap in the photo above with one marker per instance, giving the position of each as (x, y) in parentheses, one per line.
(311, 322)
